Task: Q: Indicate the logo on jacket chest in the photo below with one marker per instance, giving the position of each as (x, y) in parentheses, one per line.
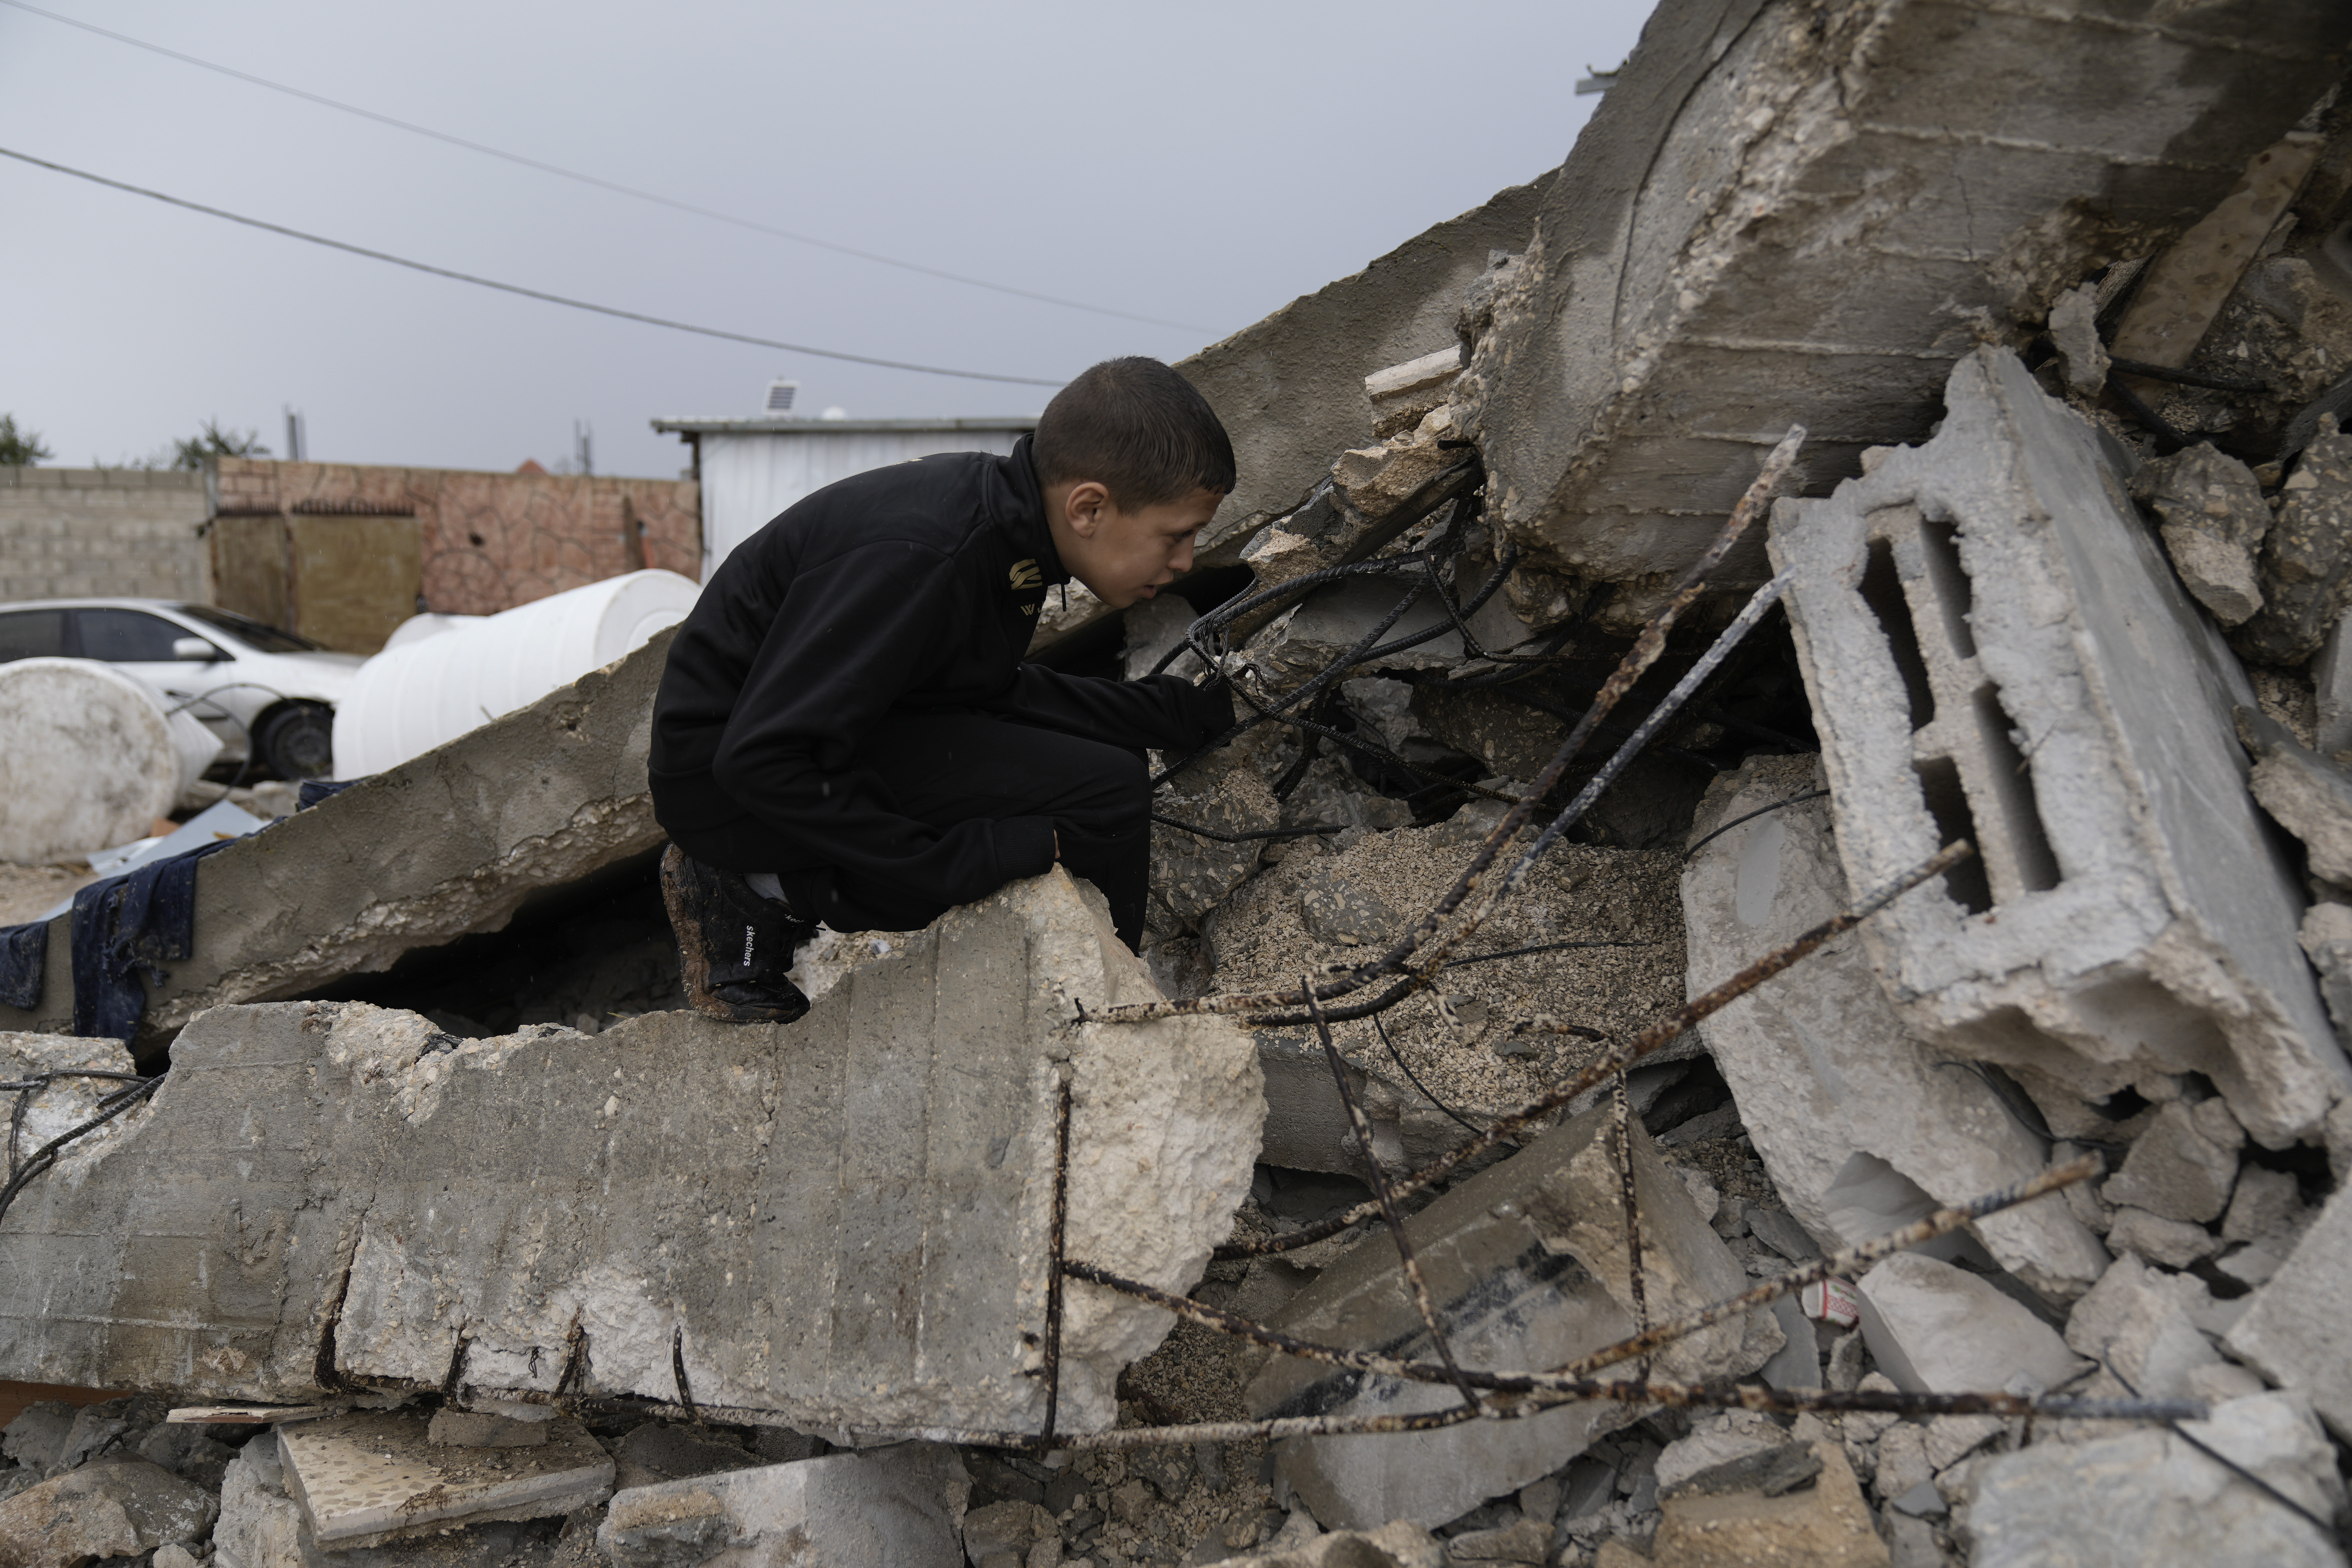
(1024, 575)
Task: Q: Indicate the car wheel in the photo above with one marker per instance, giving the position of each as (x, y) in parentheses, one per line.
(299, 742)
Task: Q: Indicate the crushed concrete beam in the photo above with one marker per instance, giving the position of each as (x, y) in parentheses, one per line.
(1528, 1264)
(1864, 1125)
(841, 1223)
(1786, 214)
(1995, 650)
(450, 842)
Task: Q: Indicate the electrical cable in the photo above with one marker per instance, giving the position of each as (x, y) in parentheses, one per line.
(558, 170)
(517, 287)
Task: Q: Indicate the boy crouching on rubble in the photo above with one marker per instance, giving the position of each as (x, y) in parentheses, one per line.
(845, 731)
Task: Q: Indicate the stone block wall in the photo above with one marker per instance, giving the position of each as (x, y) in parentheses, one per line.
(68, 533)
(492, 541)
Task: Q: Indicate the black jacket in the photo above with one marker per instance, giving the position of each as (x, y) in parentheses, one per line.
(915, 588)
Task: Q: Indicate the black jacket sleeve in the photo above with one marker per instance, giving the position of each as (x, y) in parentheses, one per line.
(1165, 713)
(853, 634)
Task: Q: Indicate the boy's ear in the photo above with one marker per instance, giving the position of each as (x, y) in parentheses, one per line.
(1085, 507)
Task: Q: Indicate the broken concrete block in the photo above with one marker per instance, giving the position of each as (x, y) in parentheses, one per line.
(1152, 627)
(260, 1525)
(67, 1103)
(2175, 1243)
(2306, 557)
(1826, 1525)
(1335, 617)
(2266, 1203)
(2296, 1333)
(1001, 1534)
(453, 842)
(895, 1505)
(108, 1507)
(1192, 875)
(1403, 395)
(1995, 652)
(2310, 796)
(2149, 1497)
(1864, 1125)
(2212, 516)
(2074, 331)
(2174, 1169)
(1377, 481)
(841, 1223)
(374, 1476)
(1527, 1263)
(1753, 231)
(1935, 1329)
(2136, 1320)
(36, 1437)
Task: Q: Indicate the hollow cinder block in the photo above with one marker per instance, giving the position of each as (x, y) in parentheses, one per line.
(1996, 650)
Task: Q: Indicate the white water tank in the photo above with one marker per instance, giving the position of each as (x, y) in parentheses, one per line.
(441, 676)
(90, 757)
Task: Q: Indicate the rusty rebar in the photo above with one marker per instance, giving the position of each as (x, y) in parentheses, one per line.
(1623, 1102)
(1422, 1299)
(1055, 1239)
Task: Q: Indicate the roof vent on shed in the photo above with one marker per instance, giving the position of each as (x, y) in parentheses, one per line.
(780, 396)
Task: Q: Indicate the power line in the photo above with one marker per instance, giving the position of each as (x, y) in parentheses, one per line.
(601, 184)
(517, 287)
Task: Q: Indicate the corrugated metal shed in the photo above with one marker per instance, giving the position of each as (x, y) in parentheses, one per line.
(751, 469)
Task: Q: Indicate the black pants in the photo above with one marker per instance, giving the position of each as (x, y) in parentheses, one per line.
(945, 768)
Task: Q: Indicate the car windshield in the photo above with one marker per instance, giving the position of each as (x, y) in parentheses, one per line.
(268, 639)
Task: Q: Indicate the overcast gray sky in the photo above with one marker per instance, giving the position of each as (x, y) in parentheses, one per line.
(1204, 164)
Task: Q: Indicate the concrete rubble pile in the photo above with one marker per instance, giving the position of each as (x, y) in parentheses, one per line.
(450, 1238)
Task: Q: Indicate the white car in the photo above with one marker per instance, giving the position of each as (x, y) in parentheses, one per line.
(268, 694)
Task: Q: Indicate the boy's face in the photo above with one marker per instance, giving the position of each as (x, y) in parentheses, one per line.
(1125, 557)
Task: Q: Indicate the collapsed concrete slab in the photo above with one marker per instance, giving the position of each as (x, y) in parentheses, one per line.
(1785, 215)
(1528, 1264)
(900, 1506)
(838, 1224)
(1996, 651)
(453, 842)
(1864, 1125)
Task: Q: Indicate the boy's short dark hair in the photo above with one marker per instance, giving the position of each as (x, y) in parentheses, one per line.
(1136, 428)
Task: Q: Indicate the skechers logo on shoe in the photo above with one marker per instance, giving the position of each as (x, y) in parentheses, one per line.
(1024, 575)
(747, 935)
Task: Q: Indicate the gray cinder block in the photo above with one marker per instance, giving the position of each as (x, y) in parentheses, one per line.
(1996, 650)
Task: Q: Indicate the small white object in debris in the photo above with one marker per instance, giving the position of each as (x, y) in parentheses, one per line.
(1831, 1301)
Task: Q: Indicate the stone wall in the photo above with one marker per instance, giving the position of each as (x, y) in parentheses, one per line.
(67, 532)
(491, 542)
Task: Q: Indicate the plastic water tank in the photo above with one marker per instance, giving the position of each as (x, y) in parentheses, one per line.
(90, 757)
(441, 676)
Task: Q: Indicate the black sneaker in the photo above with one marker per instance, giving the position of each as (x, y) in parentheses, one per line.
(735, 948)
